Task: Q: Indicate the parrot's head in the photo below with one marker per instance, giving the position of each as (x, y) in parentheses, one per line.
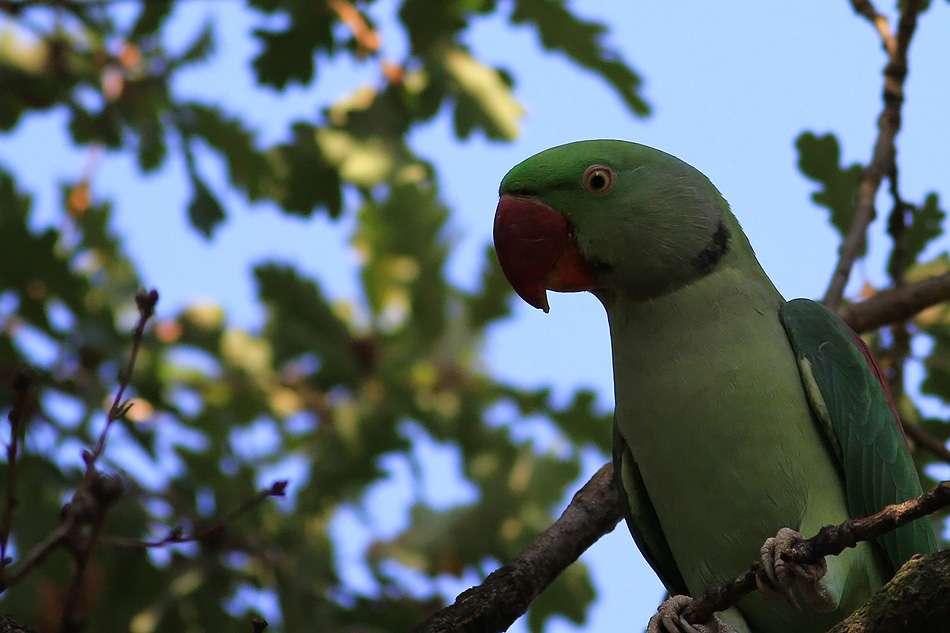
(608, 216)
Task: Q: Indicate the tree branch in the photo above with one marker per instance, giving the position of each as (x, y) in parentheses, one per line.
(866, 9)
(145, 302)
(831, 540)
(896, 304)
(889, 123)
(927, 441)
(506, 593)
(96, 493)
(915, 599)
(17, 417)
(177, 535)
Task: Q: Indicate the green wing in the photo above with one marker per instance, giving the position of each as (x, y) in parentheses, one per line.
(848, 395)
(641, 517)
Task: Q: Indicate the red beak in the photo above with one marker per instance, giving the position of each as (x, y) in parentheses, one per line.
(537, 251)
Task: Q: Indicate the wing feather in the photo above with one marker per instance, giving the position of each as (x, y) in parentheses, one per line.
(852, 402)
(641, 518)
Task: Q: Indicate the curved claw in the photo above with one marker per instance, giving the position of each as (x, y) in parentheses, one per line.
(781, 574)
(669, 620)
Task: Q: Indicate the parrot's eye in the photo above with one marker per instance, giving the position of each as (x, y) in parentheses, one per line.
(598, 179)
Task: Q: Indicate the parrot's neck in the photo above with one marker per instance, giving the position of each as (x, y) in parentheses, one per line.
(720, 314)
(737, 275)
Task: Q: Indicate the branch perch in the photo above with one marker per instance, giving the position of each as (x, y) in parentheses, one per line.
(915, 599)
(506, 593)
(896, 304)
(831, 540)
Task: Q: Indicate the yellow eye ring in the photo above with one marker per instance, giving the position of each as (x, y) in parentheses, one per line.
(598, 179)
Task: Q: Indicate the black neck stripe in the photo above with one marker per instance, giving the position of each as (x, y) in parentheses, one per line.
(707, 259)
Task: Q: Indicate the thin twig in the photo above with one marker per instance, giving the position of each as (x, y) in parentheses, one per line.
(505, 595)
(38, 554)
(898, 352)
(69, 622)
(889, 123)
(176, 534)
(96, 493)
(928, 442)
(865, 8)
(896, 304)
(366, 37)
(145, 301)
(17, 417)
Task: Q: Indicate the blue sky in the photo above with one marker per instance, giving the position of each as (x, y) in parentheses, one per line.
(732, 85)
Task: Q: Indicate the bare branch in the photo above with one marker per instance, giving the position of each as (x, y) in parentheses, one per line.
(17, 417)
(89, 505)
(38, 554)
(367, 38)
(866, 9)
(889, 123)
(506, 593)
(177, 535)
(927, 441)
(895, 305)
(915, 599)
(96, 492)
(9, 625)
(145, 301)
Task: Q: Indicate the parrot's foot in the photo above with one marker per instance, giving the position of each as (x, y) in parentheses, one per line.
(669, 620)
(781, 575)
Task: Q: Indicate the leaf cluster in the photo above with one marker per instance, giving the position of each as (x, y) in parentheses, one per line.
(332, 390)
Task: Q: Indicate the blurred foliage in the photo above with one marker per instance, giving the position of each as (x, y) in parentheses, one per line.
(818, 158)
(322, 387)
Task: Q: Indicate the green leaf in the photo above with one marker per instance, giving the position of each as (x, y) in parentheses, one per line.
(580, 40)
(926, 224)
(301, 320)
(151, 18)
(582, 423)
(199, 50)
(305, 179)
(937, 364)
(23, 90)
(430, 24)
(204, 211)
(818, 159)
(288, 55)
(402, 276)
(152, 149)
(492, 301)
(103, 127)
(483, 97)
(31, 264)
(248, 168)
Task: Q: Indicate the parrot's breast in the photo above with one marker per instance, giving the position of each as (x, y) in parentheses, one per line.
(710, 402)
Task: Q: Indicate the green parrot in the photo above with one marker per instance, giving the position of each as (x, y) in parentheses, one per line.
(738, 415)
